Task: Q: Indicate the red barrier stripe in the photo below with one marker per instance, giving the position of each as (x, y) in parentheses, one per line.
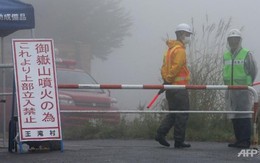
(111, 86)
(118, 86)
(153, 100)
(256, 83)
(237, 87)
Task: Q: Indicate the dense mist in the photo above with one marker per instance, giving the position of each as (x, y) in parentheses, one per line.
(139, 58)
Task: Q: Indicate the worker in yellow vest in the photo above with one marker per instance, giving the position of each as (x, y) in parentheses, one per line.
(175, 71)
(239, 69)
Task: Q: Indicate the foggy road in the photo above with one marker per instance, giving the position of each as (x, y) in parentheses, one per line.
(94, 36)
(128, 151)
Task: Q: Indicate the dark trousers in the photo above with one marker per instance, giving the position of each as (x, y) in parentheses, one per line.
(242, 129)
(178, 100)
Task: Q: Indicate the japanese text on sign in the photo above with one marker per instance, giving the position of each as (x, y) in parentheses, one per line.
(36, 88)
(13, 17)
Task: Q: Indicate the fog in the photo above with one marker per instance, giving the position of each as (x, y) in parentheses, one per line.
(140, 59)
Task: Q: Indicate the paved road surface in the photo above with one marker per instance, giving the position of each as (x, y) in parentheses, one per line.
(130, 151)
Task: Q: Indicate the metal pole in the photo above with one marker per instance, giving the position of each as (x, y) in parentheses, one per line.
(149, 111)
(1, 51)
(194, 87)
(33, 33)
(3, 88)
(6, 65)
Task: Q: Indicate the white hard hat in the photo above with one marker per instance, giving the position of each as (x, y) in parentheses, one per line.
(184, 27)
(234, 33)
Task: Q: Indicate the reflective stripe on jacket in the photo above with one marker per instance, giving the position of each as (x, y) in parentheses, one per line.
(234, 69)
(174, 69)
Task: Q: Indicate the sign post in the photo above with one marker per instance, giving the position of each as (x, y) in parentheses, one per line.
(36, 90)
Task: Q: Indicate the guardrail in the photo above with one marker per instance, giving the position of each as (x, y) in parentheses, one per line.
(3, 100)
(194, 87)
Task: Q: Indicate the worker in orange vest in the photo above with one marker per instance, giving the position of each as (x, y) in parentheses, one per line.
(175, 71)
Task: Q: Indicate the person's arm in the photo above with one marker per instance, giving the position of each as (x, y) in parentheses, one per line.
(177, 61)
(164, 68)
(250, 66)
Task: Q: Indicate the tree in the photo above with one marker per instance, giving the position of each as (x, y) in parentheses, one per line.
(100, 24)
(205, 59)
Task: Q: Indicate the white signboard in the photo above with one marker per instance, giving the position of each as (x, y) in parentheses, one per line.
(36, 89)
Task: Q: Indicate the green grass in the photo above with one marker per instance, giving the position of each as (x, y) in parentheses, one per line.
(199, 128)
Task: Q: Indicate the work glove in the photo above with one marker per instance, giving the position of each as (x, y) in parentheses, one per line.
(166, 83)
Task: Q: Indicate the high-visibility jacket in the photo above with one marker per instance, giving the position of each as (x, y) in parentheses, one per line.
(234, 69)
(174, 69)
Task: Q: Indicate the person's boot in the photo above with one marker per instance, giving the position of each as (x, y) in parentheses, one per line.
(181, 145)
(161, 140)
(243, 144)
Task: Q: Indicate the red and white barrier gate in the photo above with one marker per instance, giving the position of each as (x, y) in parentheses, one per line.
(194, 87)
